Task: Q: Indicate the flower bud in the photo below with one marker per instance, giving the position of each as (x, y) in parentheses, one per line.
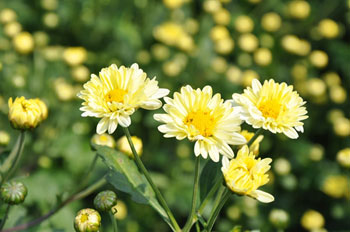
(343, 157)
(123, 145)
(13, 193)
(279, 218)
(87, 220)
(4, 138)
(103, 140)
(104, 201)
(26, 113)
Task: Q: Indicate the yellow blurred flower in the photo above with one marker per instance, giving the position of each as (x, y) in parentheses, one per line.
(299, 9)
(49, 4)
(245, 174)
(263, 56)
(13, 28)
(312, 220)
(80, 73)
(26, 113)
(272, 106)
(337, 94)
(23, 42)
(103, 140)
(123, 145)
(173, 34)
(64, 90)
(316, 152)
(219, 33)
(202, 118)
(295, 45)
(341, 127)
(222, 17)
(143, 57)
(120, 211)
(4, 138)
(51, 20)
(248, 42)
(248, 76)
(219, 64)
(282, 166)
(52, 53)
(316, 87)
(244, 24)
(211, 6)
(224, 46)
(7, 15)
(171, 68)
(336, 186)
(173, 4)
(160, 52)
(191, 26)
(343, 157)
(41, 38)
(256, 144)
(328, 28)
(299, 72)
(117, 93)
(266, 40)
(332, 78)
(271, 21)
(234, 74)
(318, 58)
(75, 55)
(279, 218)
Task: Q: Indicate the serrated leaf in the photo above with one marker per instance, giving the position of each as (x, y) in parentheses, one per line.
(124, 176)
(209, 176)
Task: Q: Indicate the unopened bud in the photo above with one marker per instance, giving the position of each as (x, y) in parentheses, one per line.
(13, 193)
(87, 220)
(104, 201)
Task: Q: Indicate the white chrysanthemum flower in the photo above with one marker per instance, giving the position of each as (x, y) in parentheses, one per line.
(272, 106)
(117, 93)
(245, 174)
(201, 117)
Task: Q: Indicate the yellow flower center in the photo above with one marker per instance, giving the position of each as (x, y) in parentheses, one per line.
(270, 108)
(202, 121)
(103, 138)
(84, 218)
(116, 95)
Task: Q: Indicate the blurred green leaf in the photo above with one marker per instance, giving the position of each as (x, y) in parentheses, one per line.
(209, 176)
(124, 176)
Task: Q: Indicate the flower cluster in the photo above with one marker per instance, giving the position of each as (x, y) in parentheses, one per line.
(202, 117)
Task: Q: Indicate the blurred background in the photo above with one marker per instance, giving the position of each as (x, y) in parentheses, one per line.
(49, 48)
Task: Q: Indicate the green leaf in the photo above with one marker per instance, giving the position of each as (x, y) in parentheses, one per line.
(209, 175)
(124, 176)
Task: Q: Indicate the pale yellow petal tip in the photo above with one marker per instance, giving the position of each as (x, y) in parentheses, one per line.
(262, 196)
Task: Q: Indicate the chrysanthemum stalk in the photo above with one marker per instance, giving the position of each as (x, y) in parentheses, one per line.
(117, 93)
(272, 106)
(201, 117)
(245, 174)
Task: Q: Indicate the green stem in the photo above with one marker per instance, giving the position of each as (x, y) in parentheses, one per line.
(256, 135)
(114, 221)
(210, 195)
(190, 221)
(225, 196)
(198, 229)
(10, 166)
(150, 181)
(70, 199)
(5, 216)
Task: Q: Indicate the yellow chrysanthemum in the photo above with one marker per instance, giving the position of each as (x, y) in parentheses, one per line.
(26, 113)
(272, 106)
(245, 174)
(209, 120)
(117, 93)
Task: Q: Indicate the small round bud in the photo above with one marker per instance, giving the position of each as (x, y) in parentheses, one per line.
(87, 220)
(104, 201)
(13, 192)
(279, 218)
